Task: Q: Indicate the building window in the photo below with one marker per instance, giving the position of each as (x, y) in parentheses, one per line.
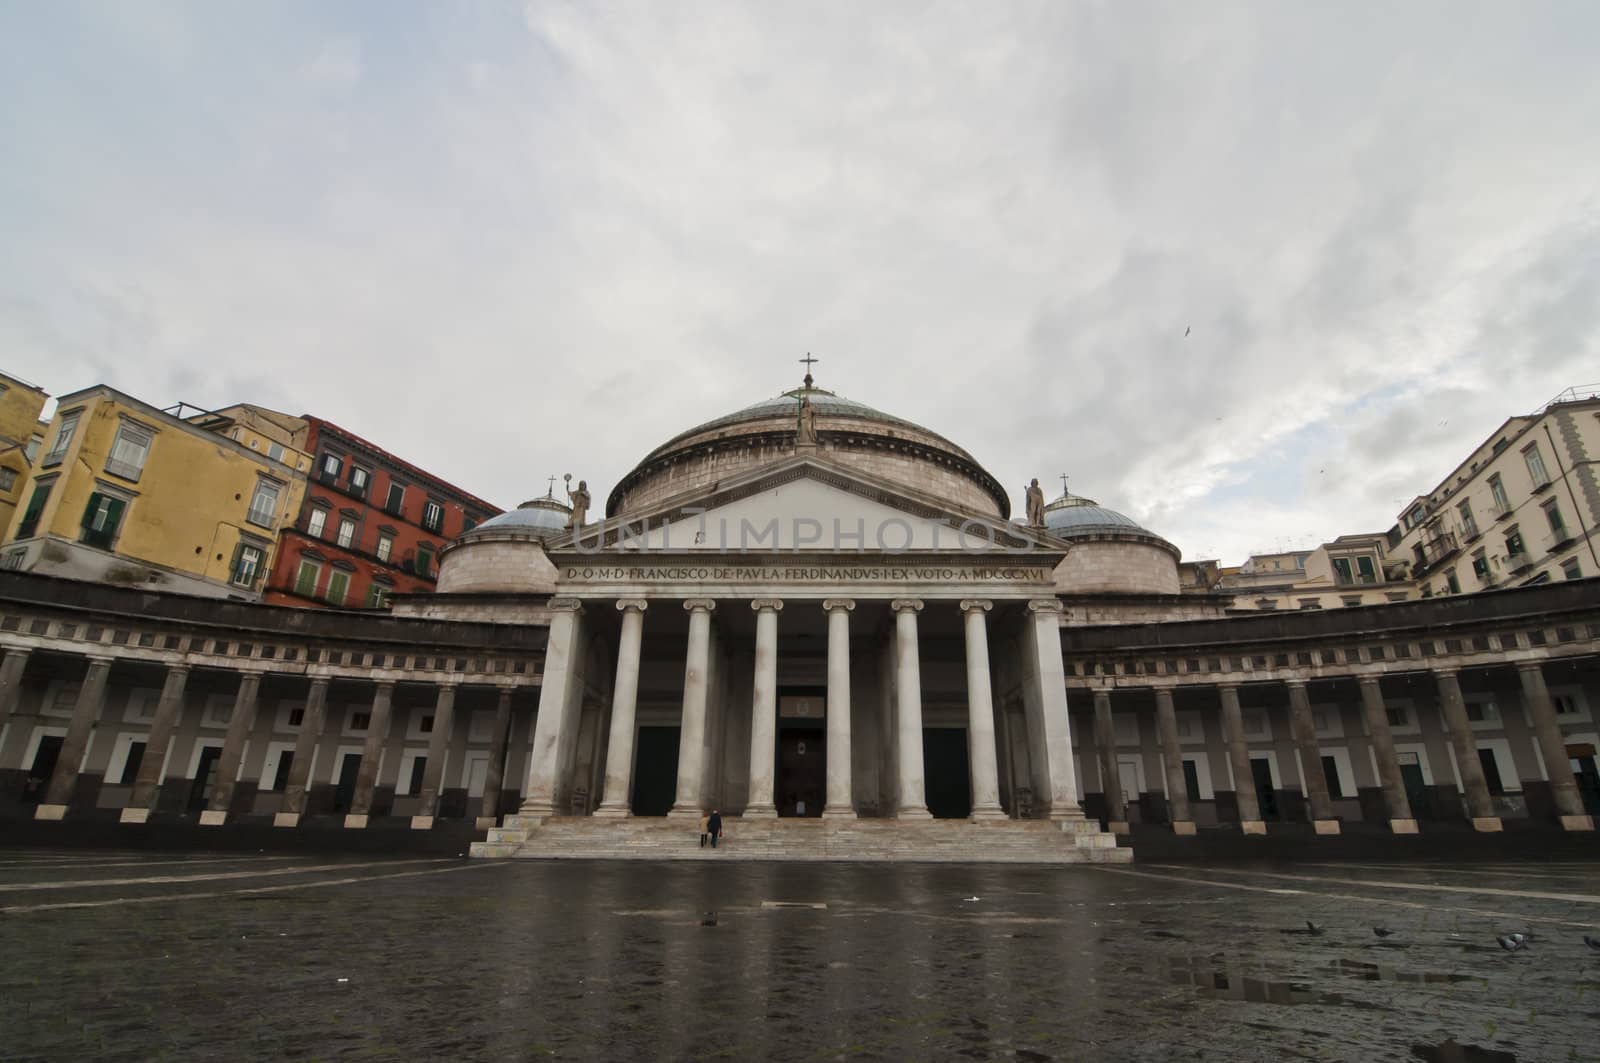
(129, 451)
(1514, 549)
(1480, 566)
(360, 480)
(246, 565)
(1558, 525)
(468, 522)
(280, 778)
(1398, 717)
(297, 717)
(347, 532)
(1469, 525)
(432, 516)
(1571, 569)
(263, 504)
(305, 580)
(1491, 772)
(1497, 490)
(1351, 599)
(396, 500)
(1451, 582)
(1482, 712)
(316, 522)
(377, 596)
(360, 721)
(1535, 466)
(130, 766)
(331, 465)
(424, 559)
(64, 433)
(8, 479)
(1330, 772)
(275, 451)
(30, 516)
(101, 518)
(419, 766)
(338, 587)
(385, 547)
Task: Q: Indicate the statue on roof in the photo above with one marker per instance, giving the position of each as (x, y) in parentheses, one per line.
(806, 435)
(1035, 504)
(580, 502)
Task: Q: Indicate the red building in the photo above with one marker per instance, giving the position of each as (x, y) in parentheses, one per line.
(371, 525)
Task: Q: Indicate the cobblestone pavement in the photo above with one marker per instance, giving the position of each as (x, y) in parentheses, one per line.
(148, 956)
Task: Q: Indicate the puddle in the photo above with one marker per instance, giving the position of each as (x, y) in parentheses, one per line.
(1375, 972)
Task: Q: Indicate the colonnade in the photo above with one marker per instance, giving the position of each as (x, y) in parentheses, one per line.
(1463, 747)
(557, 721)
(90, 701)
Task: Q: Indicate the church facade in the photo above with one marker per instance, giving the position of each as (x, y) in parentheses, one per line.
(821, 620)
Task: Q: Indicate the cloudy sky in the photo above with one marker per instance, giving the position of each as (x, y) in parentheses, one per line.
(514, 240)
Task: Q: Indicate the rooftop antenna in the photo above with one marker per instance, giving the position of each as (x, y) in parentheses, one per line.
(809, 362)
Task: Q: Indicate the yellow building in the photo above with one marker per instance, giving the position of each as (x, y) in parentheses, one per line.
(20, 404)
(125, 493)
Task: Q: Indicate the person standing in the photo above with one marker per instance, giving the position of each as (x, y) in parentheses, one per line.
(714, 826)
(705, 822)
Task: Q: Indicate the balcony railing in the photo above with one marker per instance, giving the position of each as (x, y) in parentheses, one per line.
(1557, 539)
(1435, 551)
(1502, 511)
(1517, 560)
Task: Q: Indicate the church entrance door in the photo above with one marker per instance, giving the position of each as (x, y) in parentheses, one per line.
(944, 764)
(655, 772)
(802, 775)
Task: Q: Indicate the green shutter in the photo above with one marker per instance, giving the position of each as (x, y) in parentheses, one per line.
(90, 510)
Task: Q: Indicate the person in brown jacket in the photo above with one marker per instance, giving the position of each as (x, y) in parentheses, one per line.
(704, 821)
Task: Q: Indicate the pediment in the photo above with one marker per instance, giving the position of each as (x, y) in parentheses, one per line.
(810, 505)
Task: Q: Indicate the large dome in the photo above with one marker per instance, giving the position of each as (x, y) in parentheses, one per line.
(1072, 515)
(849, 432)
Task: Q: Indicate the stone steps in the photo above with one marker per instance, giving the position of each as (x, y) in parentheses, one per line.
(940, 841)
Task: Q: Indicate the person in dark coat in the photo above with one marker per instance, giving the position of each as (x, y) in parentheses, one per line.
(714, 827)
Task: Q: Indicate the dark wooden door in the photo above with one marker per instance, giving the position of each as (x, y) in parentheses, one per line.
(802, 772)
(345, 792)
(945, 769)
(655, 771)
(1261, 772)
(205, 776)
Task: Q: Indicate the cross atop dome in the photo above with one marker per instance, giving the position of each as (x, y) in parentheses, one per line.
(808, 361)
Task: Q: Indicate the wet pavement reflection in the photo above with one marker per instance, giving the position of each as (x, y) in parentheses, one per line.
(272, 957)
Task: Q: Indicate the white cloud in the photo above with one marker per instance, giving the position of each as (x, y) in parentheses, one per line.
(545, 240)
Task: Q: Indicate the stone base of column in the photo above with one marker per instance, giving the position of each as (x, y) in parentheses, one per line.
(1074, 814)
(1403, 826)
(134, 815)
(1577, 823)
(421, 822)
(838, 812)
(1253, 826)
(1118, 826)
(213, 817)
(613, 812)
(286, 819)
(540, 809)
(486, 823)
(678, 812)
(760, 812)
(989, 814)
(50, 812)
(1326, 826)
(913, 813)
(1183, 826)
(355, 821)
(1487, 824)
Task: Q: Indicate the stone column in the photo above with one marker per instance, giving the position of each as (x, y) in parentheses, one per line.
(1454, 709)
(85, 711)
(1304, 728)
(11, 670)
(1244, 780)
(840, 803)
(298, 784)
(240, 724)
(911, 796)
(1105, 744)
(764, 712)
(560, 697)
(147, 784)
(692, 737)
(1045, 697)
(1172, 754)
(1547, 729)
(984, 770)
(617, 789)
(1401, 821)
(494, 774)
(444, 719)
(371, 756)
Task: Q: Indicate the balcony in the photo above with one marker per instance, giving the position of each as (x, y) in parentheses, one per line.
(1435, 552)
(1517, 561)
(1558, 539)
(1502, 510)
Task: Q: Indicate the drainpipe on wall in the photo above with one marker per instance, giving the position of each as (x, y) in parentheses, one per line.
(1576, 507)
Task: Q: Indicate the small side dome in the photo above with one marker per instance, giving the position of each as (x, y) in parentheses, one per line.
(1072, 515)
(541, 517)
